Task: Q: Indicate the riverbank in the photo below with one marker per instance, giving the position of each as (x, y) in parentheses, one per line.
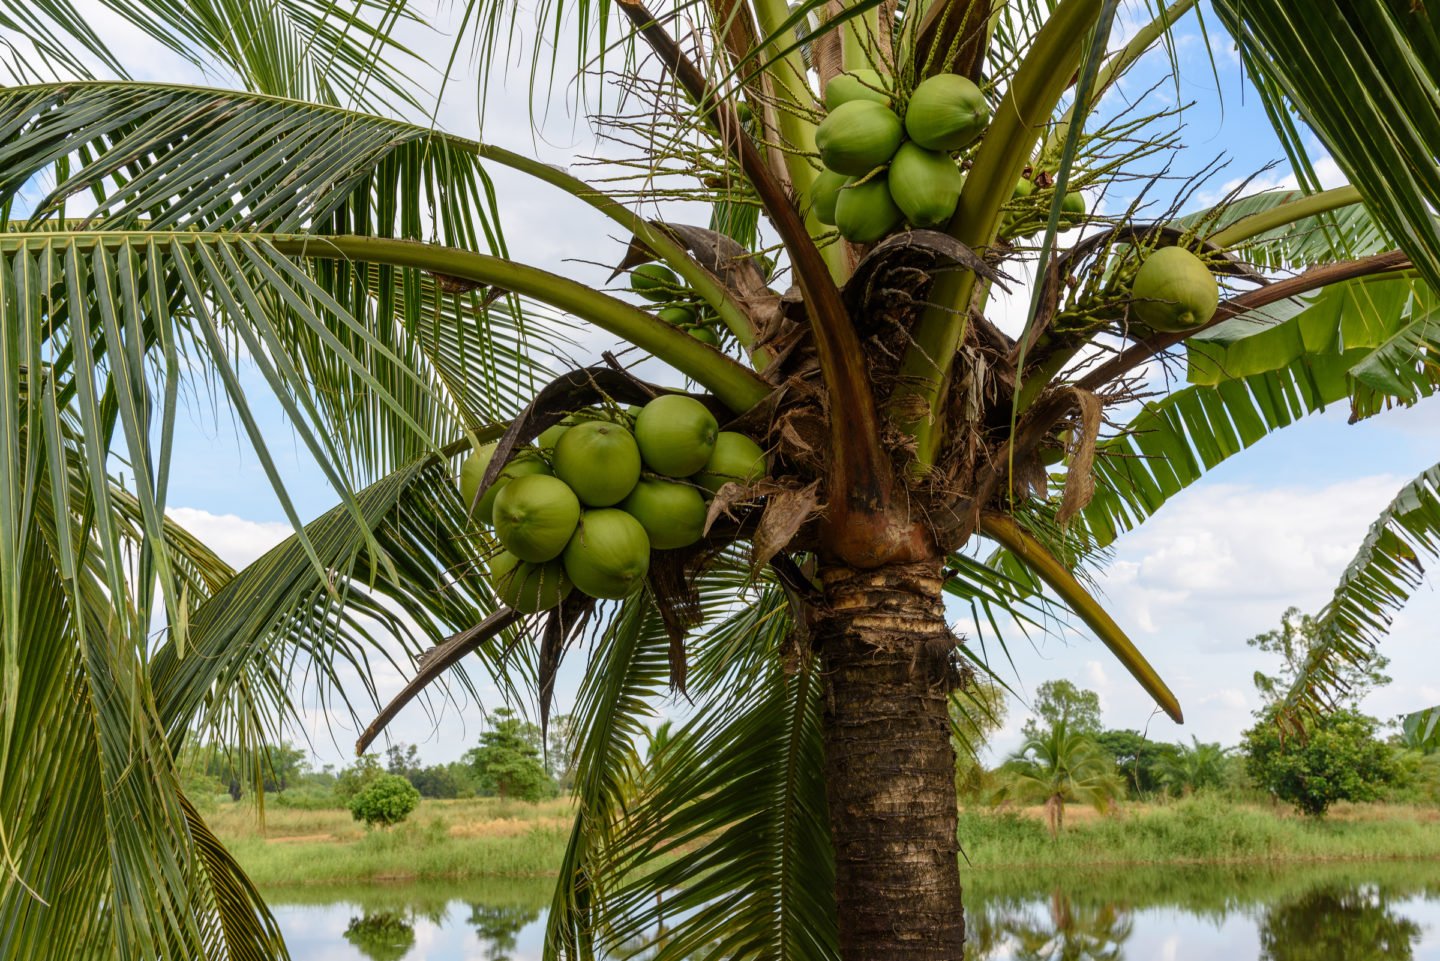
(482, 838)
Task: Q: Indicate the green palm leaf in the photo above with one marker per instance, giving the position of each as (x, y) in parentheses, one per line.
(1365, 76)
(726, 847)
(305, 49)
(1385, 571)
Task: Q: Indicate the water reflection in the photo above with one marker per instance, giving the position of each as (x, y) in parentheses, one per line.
(1067, 931)
(1358, 924)
(1362, 912)
(381, 935)
(498, 927)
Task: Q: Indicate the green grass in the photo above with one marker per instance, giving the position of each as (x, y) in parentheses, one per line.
(485, 838)
(1200, 830)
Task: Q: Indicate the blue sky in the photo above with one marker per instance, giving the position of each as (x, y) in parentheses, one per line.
(1272, 528)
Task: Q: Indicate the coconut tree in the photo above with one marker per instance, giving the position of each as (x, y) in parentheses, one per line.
(159, 238)
(1192, 767)
(1060, 767)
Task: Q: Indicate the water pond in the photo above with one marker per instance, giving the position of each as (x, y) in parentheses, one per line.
(1377, 911)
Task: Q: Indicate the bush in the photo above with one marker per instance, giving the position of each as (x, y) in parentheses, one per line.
(305, 799)
(1338, 759)
(355, 778)
(386, 800)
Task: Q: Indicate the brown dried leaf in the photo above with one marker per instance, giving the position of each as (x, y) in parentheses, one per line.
(786, 511)
(1080, 477)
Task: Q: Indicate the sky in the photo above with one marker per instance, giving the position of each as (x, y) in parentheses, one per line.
(1272, 528)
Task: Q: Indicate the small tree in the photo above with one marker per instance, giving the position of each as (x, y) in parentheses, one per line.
(1057, 701)
(1294, 641)
(385, 801)
(358, 776)
(1060, 766)
(1339, 759)
(1193, 767)
(507, 762)
(1139, 760)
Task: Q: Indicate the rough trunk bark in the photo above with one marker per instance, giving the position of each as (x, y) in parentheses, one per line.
(890, 662)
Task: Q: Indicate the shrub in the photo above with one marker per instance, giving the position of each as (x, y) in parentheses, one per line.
(386, 800)
(1338, 759)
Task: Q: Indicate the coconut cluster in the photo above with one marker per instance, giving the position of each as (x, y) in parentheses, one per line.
(883, 168)
(681, 306)
(584, 507)
(1016, 224)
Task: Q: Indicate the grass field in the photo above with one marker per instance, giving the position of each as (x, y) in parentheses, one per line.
(486, 838)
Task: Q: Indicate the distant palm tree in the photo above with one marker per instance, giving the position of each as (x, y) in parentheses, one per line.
(1060, 766)
(1193, 767)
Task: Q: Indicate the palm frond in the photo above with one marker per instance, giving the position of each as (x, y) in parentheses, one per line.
(725, 850)
(304, 49)
(1386, 570)
(1365, 77)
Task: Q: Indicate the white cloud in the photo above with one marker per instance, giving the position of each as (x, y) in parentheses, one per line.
(238, 541)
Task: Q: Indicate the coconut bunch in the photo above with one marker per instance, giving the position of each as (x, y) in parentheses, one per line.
(1021, 223)
(884, 168)
(583, 507)
(681, 306)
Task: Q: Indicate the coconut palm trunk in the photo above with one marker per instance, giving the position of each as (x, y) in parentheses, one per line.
(890, 667)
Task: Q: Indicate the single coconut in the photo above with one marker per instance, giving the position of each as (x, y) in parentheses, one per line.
(676, 435)
(1072, 209)
(523, 462)
(535, 516)
(925, 185)
(1174, 291)
(946, 112)
(858, 136)
(609, 554)
(678, 314)
(859, 84)
(866, 212)
(823, 194)
(655, 282)
(736, 458)
(528, 588)
(551, 435)
(672, 514)
(600, 462)
(705, 335)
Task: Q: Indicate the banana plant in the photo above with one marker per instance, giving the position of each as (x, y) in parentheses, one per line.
(161, 242)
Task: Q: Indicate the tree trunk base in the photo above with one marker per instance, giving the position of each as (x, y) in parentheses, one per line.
(890, 662)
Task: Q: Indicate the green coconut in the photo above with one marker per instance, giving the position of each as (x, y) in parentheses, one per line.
(523, 462)
(551, 435)
(946, 112)
(856, 85)
(1174, 291)
(678, 314)
(866, 212)
(672, 514)
(1023, 188)
(925, 185)
(600, 462)
(824, 193)
(655, 282)
(705, 335)
(1072, 208)
(858, 136)
(535, 516)
(528, 588)
(676, 435)
(736, 458)
(609, 554)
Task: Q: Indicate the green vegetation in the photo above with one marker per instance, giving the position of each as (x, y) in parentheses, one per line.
(1339, 758)
(385, 801)
(476, 839)
(507, 762)
(1057, 767)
